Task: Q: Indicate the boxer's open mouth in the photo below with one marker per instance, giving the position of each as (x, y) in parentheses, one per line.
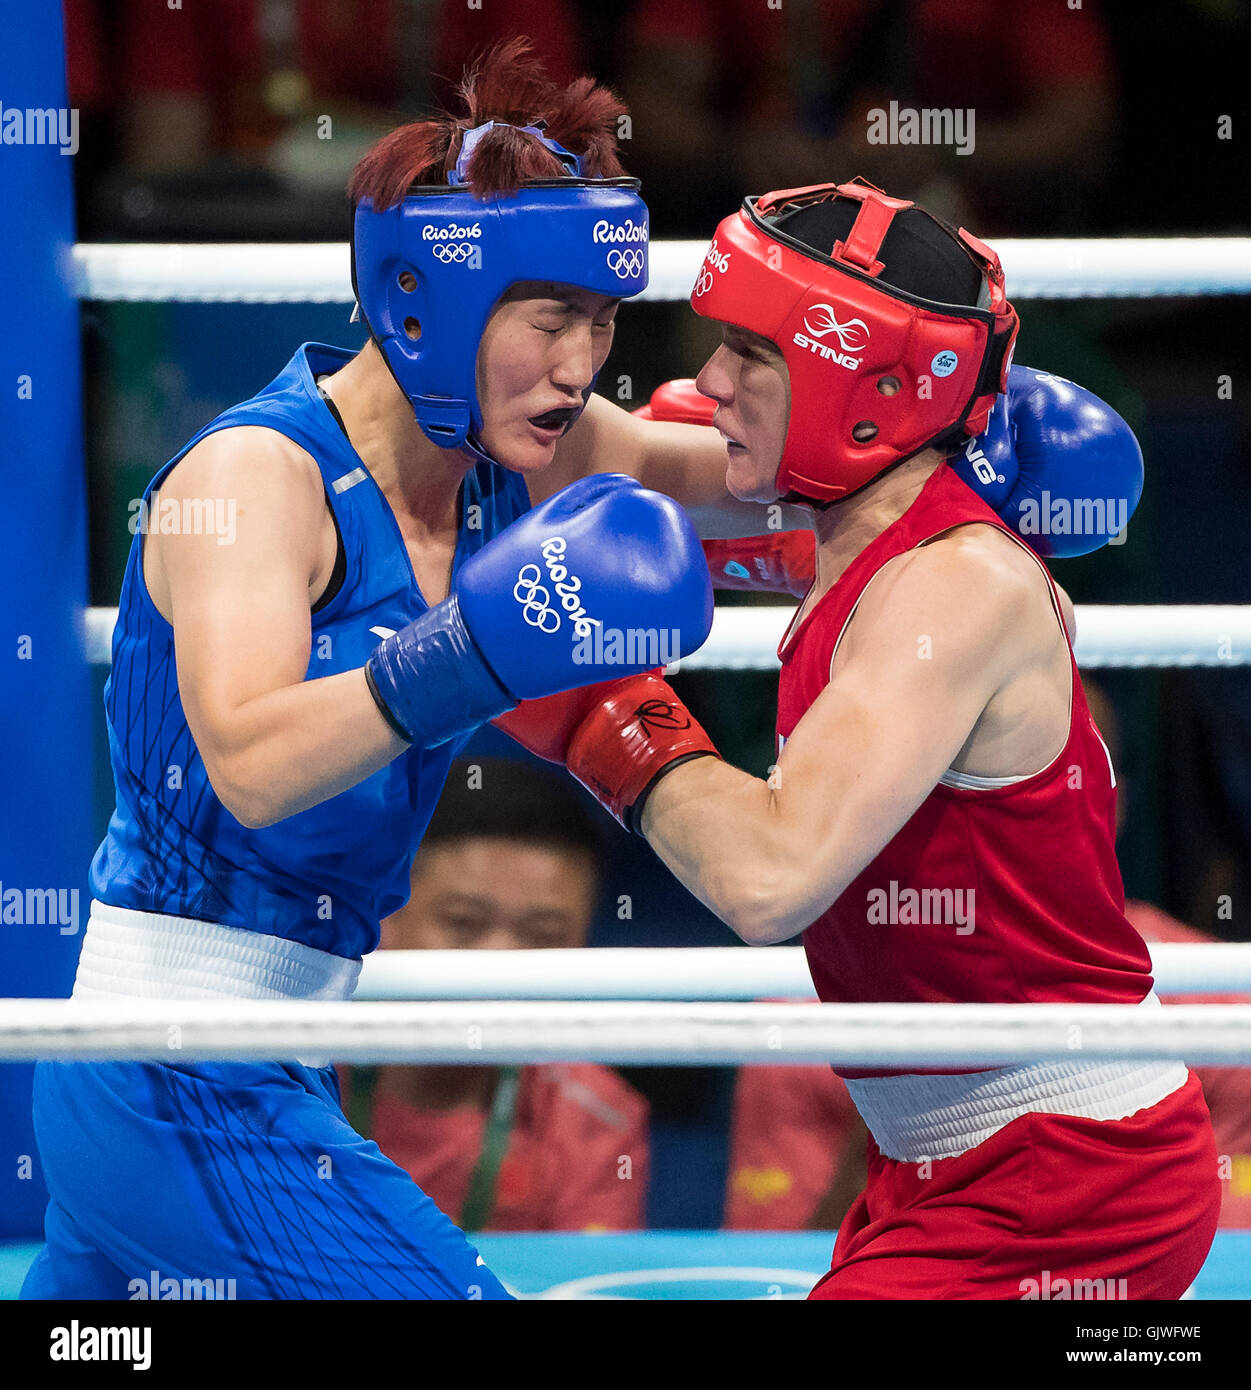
(560, 418)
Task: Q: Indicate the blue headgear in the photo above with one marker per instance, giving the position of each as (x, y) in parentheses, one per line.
(441, 258)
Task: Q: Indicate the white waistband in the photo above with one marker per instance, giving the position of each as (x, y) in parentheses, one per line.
(145, 955)
(914, 1118)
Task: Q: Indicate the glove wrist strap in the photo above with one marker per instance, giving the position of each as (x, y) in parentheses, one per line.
(629, 741)
(432, 682)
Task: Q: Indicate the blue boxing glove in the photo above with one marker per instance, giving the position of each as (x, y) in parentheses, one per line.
(1059, 465)
(603, 579)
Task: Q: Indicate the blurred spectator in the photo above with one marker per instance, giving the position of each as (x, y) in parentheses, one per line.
(1205, 766)
(251, 115)
(243, 120)
(552, 26)
(777, 97)
(84, 54)
(252, 81)
(511, 861)
(200, 83)
(798, 1145)
(797, 1150)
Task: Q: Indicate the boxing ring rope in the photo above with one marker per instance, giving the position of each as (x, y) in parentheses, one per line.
(641, 1033)
(721, 973)
(318, 272)
(1108, 635)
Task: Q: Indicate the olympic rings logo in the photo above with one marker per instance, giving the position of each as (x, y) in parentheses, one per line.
(537, 606)
(625, 264)
(454, 252)
(535, 600)
(715, 259)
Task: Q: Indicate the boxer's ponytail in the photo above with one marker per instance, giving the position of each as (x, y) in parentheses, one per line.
(507, 84)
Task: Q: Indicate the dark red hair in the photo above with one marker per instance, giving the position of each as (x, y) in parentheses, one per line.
(507, 84)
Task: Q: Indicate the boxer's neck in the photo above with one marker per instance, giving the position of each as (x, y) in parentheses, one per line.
(416, 475)
(847, 528)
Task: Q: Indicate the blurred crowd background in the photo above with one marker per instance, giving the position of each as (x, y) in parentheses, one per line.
(209, 121)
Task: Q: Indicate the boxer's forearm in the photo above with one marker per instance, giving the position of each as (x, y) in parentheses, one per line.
(290, 749)
(725, 836)
(686, 462)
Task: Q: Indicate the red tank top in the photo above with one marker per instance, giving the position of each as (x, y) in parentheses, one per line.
(1048, 920)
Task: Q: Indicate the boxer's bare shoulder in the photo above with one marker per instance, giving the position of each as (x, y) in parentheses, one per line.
(264, 486)
(973, 585)
(967, 616)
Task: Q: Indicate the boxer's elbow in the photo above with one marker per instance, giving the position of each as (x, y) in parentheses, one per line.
(254, 815)
(763, 923)
(250, 765)
(769, 902)
(764, 885)
(251, 798)
(249, 805)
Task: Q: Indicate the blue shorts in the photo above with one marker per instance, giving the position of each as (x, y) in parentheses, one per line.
(229, 1171)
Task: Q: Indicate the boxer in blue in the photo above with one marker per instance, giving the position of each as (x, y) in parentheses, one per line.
(339, 581)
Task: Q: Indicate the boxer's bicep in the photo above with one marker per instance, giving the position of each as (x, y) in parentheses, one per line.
(239, 602)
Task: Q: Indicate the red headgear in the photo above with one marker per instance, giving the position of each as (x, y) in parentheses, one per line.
(845, 333)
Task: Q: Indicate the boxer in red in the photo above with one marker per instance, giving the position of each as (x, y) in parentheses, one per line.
(939, 824)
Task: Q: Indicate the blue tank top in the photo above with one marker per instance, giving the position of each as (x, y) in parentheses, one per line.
(326, 876)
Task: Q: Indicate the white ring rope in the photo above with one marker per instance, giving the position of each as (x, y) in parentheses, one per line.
(318, 272)
(721, 973)
(1108, 635)
(856, 1035)
(1116, 635)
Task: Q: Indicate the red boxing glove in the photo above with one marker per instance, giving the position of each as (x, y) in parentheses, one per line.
(618, 738)
(680, 402)
(546, 726)
(783, 562)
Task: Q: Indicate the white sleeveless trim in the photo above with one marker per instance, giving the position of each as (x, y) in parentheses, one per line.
(971, 782)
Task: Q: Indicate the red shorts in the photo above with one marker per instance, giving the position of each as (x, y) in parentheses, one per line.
(1129, 1207)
